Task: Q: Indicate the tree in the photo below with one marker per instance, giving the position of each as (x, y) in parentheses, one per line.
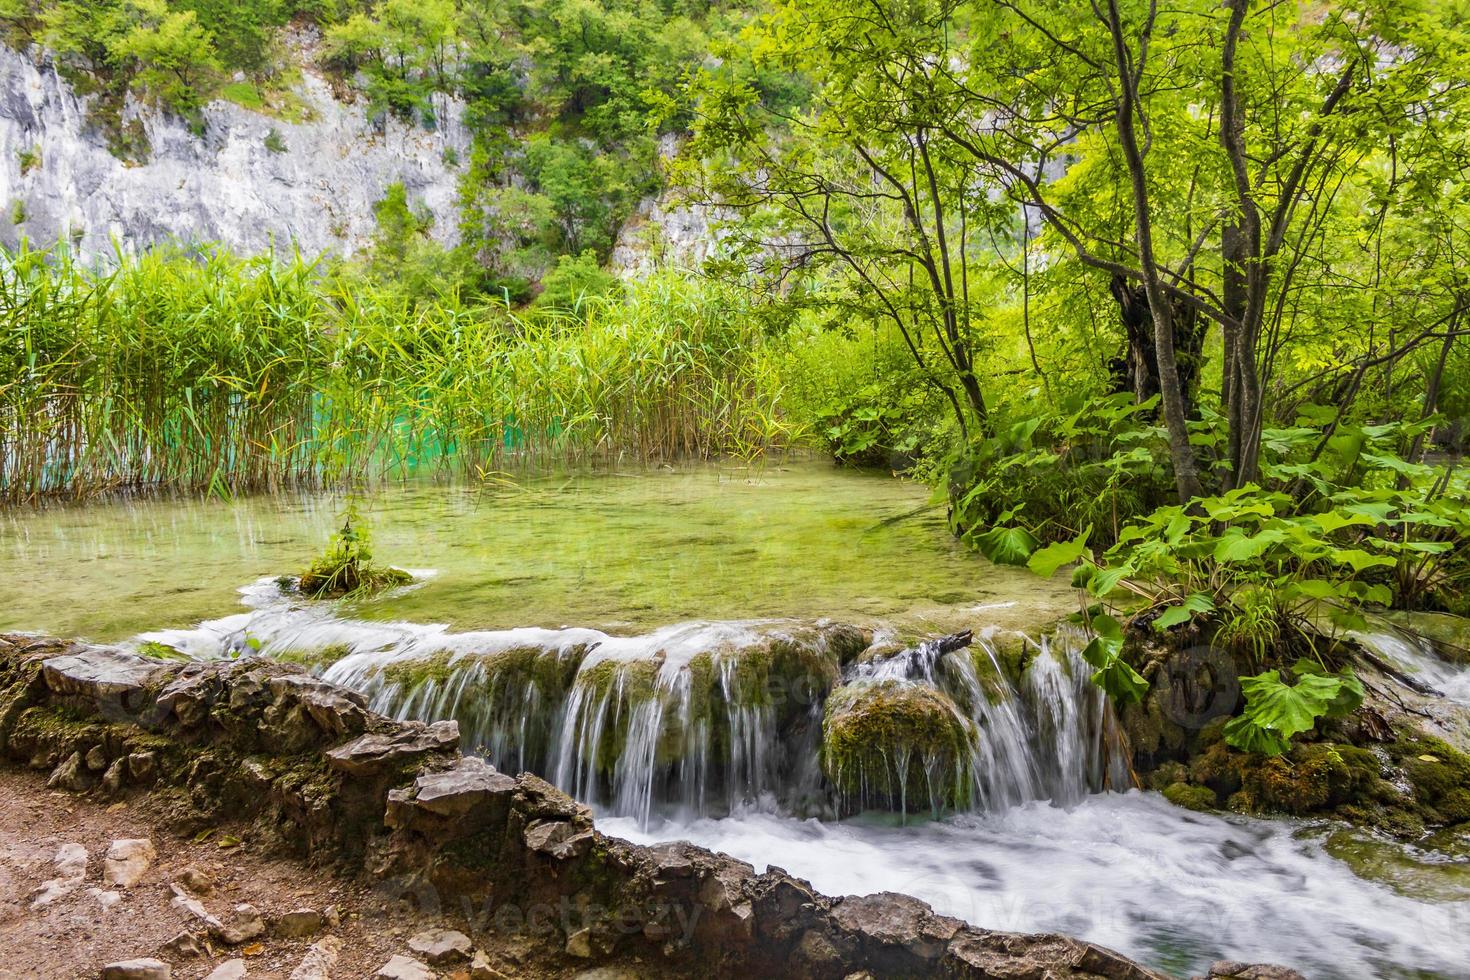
(174, 55)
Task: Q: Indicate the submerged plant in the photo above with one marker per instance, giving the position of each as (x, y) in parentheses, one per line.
(346, 568)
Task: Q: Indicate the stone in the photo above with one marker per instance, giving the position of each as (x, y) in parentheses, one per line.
(441, 947)
(297, 923)
(110, 678)
(456, 791)
(891, 919)
(1231, 970)
(142, 766)
(481, 968)
(127, 861)
(116, 774)
(319, 960)
(184, 946)
(96, 758)
(228, 970)
(69, 775)
(579, 944)
(241, 925)
(403, 968)
(70, 862)
(196, 881)
(1114, 966)
(374, 753)
(332, 916)
(184, 901)
(143, 969)
(335, 710)
(105, 899)
(557, 838)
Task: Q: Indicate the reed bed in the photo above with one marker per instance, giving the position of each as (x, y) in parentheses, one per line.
(205, 371)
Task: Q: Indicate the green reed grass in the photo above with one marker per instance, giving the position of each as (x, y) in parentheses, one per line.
(205, 371)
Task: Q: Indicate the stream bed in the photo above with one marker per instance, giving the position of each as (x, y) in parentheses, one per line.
(619, 634)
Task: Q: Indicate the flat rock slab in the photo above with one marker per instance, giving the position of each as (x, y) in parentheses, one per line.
(319, 960)
(376, 753)
(403, 968)
(145, 969)
(102, 674)
(442, 946)
(228, 970)
(456, 791)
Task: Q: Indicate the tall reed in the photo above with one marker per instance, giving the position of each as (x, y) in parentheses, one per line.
(202, 370)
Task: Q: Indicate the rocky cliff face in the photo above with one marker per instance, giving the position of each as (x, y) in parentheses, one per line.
(246, 180)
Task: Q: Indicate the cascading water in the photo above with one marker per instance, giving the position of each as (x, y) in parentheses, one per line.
(705, 719)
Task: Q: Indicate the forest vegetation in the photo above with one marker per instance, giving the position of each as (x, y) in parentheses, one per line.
(1174, 295)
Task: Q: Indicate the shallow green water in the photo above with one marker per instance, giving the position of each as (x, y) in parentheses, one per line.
(633, 550)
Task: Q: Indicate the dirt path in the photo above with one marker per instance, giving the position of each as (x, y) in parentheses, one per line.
(77, 933)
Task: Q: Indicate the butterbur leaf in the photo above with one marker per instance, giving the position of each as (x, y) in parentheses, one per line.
(1184, 611)
(1006, 545)
(1284, 708)
(1246, 735)
(1105, 581)
(1121, 682)
(1046, 561)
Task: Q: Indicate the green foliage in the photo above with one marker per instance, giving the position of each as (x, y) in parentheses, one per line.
(346, 568)
(29, 159)
(210, 372)
(576, 283)
(1276, 711)
(1104, 653)
(274, 142)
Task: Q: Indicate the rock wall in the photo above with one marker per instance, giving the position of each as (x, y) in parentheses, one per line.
(253, 740)
(232, 183)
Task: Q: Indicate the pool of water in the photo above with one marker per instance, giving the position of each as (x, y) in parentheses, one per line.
(623, 552)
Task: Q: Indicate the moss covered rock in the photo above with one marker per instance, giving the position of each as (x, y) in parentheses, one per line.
(898, 746)
(1191, 797)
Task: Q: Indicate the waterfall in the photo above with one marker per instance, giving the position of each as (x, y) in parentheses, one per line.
(707, 719)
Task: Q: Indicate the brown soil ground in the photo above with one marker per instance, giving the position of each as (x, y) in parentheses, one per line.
(75, 936)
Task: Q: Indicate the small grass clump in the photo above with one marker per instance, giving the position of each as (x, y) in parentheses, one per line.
(346, 568)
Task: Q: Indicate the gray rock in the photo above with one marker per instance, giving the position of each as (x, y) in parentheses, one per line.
(241, 925)
(558, 839)
(1114, 966)
(228, 970)
(69, 775)
(454, 792)
(890, 919)
(96, 758)
(144, 969)
(127, 861)
(403, 968)
(1231, 970)
(142, 766)
(441, 947)
(184, 946)
(297, 923)
(113, 779)
(369, 754)
(196, 881)
(104, 898)
(105, 676)
(319, 960)
(579, 944)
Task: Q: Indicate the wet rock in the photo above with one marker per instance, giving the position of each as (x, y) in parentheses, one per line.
(1230, 970)
(297, 923)
(144, 969)
(890, 920)
(108, 677)
(403, 968)
(71, 867)
(377, 753)
(69, 775)
(1114, 966)
(442, 947)
(319, 960)
(558, 839)
(241, 925)
(196, 881)
(105, 899)
(127, 861)
(228, 970)
(184, 946)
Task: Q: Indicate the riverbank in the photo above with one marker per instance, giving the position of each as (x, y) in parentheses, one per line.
(261, 752)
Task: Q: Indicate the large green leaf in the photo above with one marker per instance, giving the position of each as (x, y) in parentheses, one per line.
(1046, 561)
(1182, 612)
(1246, 735)
(1288, 709)
(1006, 545)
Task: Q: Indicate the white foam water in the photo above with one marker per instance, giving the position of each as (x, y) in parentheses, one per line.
(1167, 886)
